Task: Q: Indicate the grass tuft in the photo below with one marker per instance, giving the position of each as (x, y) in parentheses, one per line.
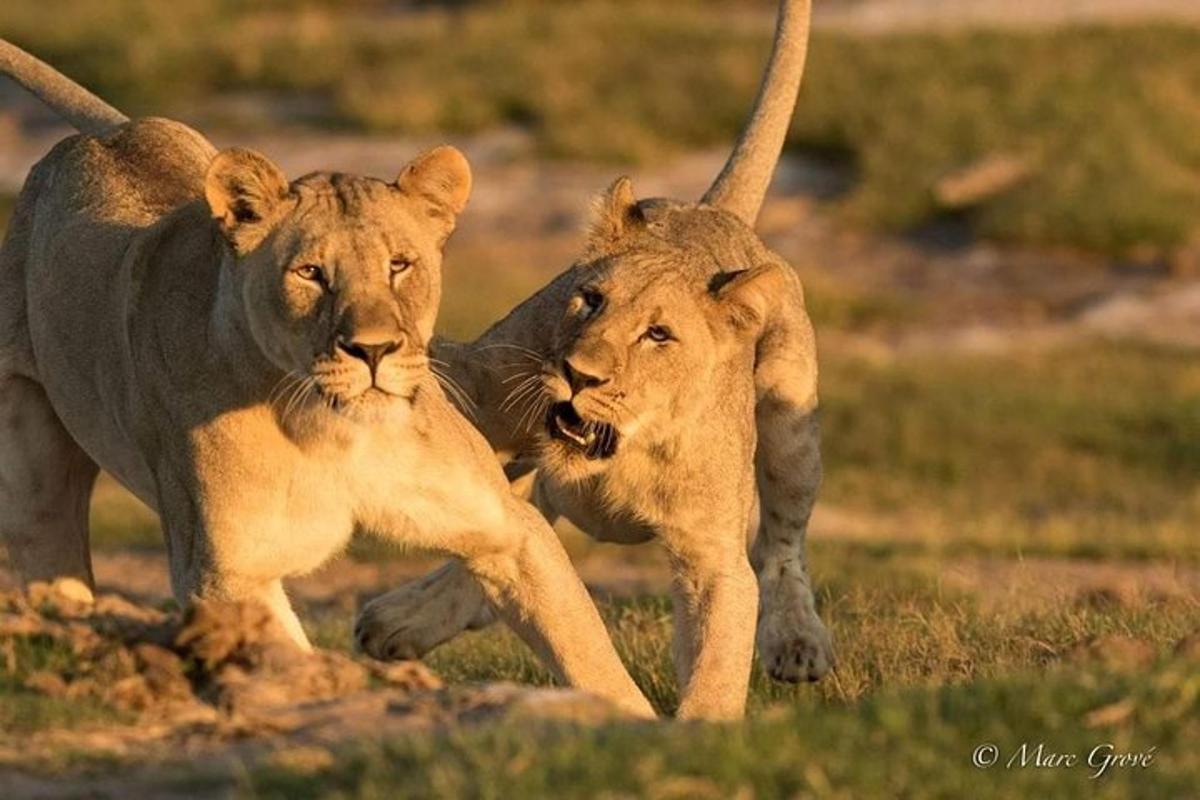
(1102, 118)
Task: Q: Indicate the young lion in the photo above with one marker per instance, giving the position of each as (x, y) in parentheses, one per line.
(248, 356)
(654, 386)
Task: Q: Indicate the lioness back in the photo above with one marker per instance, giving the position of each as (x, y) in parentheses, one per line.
(97, 200)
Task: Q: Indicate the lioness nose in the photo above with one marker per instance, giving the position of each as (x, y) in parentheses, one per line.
(580, 380)
(370, 352)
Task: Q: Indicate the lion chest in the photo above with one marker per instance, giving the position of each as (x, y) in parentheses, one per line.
(273, 511)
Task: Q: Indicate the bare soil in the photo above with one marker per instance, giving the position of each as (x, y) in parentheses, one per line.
(221, 684)
(884, 16)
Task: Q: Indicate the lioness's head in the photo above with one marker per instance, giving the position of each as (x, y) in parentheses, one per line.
(669, 295)
(339, 276)
(663, 312)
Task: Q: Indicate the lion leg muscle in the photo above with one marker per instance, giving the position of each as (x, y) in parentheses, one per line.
(45, 484)
(537, 592)
(509, 550)
(792, 641)
(714, 596)
(420, 615)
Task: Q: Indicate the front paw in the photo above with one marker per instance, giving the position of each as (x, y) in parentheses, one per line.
(795, 646)
(401, 625)
(408, 622)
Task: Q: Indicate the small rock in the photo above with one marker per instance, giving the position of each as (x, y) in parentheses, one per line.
(68, 597)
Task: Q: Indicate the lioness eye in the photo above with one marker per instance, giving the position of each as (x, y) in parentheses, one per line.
(591, 298)
(311, 272)
(401, 264)
(658, 333)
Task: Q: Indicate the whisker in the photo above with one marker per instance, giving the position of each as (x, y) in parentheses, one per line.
(286, 383)
(519, 374)
(452, 387)
(448, 380)
(525, 351)
(296, 400)
(536, 407)
(521, 394)
(286, 391)
(511, 398)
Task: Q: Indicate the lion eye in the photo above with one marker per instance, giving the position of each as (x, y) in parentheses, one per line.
(310, 272)
(658, 333)
(401, 264)
(592, 299)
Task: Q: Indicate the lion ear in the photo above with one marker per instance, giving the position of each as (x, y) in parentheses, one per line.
(243, 189)
(442, 179)
(614, 213)
(747, 297)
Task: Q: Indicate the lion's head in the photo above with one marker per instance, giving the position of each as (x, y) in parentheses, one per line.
(661, 313)
(339, 277)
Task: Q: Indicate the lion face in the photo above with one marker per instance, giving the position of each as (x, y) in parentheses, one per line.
(651, 326)
(621, 342)
(340, 276)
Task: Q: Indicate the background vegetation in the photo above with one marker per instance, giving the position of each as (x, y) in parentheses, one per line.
(1102, 120)
(952, 476)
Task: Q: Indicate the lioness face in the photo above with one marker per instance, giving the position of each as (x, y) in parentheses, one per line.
(655, 319)
(630, 356)
(340, 276)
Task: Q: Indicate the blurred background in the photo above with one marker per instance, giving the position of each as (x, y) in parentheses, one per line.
(994, 206)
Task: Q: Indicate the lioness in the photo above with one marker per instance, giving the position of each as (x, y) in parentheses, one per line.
(248, 356)
(654, 386)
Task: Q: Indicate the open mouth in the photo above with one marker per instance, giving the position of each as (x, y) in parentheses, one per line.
(594, 439)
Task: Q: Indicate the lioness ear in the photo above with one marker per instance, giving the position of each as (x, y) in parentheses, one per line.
(614, 213)
(243, 188)
(748, 296)
(442, 178)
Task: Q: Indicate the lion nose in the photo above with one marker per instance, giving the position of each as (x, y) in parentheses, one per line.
(370, 352)
(580, 380)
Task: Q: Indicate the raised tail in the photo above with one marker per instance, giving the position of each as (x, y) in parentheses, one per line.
(742, 184)
(86, 112)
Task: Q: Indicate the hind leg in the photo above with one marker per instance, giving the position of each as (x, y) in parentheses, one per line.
(45, 484)
(793, 643)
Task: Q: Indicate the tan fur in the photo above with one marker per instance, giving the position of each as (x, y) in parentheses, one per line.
(162, 318)
(717, 429)
(742, 184)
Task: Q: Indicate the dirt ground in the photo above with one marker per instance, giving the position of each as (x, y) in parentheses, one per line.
(882, 16)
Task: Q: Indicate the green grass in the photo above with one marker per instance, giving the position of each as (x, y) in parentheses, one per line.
(926, 672)
(1088, 451)
(1104, 116)
(909, 743)
(896, 620)
(23, 710)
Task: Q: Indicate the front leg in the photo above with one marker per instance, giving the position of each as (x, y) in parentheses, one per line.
(715, 600)
(419, 615)
(233, 547)
(525, 574)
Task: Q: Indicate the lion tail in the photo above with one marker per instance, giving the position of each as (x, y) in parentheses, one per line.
(86, 112)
